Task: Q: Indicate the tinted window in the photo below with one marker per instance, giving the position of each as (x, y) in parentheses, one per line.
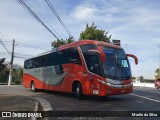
(28, 64)
(36, 62)
(87, 47)
(93, 63)
(43, 61)
(54, 58)
(70, 55)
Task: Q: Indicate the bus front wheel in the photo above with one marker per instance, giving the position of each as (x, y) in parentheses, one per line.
(33, 86)
(79, 91)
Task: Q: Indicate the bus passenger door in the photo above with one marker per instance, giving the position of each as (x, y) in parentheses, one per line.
(95, 71)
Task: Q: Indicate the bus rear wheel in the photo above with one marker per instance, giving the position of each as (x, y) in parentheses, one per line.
(79, 93)
(33, 86)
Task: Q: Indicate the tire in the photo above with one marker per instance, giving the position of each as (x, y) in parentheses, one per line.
(33, 87)
(79, 92)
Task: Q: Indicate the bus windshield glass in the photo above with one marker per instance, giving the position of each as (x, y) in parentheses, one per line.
(117, 65)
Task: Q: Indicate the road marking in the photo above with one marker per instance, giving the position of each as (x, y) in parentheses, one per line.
(155, 91)
(145, 97)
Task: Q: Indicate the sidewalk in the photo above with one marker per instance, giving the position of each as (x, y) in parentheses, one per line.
(18, 99)
(13, 99)
(16, 103)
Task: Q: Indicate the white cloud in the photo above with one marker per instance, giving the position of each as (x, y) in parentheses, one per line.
(84, 12)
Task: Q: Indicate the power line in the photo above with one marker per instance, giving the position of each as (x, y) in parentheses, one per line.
(31, 46)
(6, 41)
(58, 17)
(37, 18)
(22, 57)
(4, 47)
(40, 16)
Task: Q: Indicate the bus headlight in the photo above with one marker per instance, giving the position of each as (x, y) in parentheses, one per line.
(115, 82)
(110, 84)
(101, 81)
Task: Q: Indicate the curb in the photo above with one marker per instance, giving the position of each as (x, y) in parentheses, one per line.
(41, 105)
(36, 107)
(35, 110)
(11, 85)
(44, 104)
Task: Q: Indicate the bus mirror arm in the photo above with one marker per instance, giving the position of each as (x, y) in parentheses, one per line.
(133, 56)
(103, 56)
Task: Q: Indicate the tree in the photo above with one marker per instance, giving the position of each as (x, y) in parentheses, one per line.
(4, 75)
(4, 72)
(141, 78)
(17, 76)
(58, 43)
(92, 33)
(133, 77)
(2, 66)
(157, 73)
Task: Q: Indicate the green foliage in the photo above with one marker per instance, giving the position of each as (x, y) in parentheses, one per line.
(157, 73)
(133, 78)
(147, 81)
(4, 75)
(141, 78)
(58, 43)
(92, 33)
(4, 72)
(17, 76)
(1, 64)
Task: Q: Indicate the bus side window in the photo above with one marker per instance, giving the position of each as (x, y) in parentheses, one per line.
(43, 60)
(72, 55)
(28, 64)
(36, 62)
(50, 59)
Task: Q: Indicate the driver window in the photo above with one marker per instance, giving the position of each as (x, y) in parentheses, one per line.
(93, 64)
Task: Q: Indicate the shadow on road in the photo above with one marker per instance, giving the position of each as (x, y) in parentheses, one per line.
(87, 98)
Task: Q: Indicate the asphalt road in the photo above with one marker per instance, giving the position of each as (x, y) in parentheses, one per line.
(141, 99)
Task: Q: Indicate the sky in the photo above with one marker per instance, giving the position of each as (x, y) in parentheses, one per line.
(135, 22)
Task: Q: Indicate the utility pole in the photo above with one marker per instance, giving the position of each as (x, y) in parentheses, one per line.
(159, 63)
(11, 65)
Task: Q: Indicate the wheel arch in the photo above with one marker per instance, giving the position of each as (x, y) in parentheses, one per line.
(31, 83)
(74, 85)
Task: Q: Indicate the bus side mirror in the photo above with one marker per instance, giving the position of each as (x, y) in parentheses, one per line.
(103, 56)
(133, 56)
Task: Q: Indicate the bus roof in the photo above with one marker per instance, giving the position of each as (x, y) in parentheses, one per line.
(80, 42)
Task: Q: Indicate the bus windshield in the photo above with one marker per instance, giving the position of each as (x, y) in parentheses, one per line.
(117, 65)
